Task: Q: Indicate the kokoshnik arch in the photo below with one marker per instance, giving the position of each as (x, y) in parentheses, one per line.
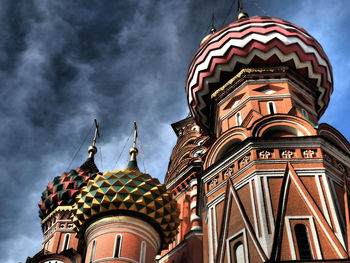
(253, 176)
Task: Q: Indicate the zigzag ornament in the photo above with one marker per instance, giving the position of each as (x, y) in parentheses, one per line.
(240, 43)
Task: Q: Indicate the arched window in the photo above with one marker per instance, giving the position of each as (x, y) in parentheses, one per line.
(238, 251)
(47, 245)
(238, 118)
(304, 112)
(302, 242)
(271, 107)
(66, 242)
(118, 246)
(143, 252)
(92, 252)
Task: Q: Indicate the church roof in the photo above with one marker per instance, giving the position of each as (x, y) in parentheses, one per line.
(255, 42)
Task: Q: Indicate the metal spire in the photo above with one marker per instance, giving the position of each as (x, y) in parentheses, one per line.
(89, 165)
(92, 149)
(132, 165)
(241, 14)
(213, 29)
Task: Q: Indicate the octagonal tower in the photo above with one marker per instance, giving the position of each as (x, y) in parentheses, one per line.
(256, 176)
(125, 216)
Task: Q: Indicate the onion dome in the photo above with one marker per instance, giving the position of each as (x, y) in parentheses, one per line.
(63, 189)
(255, 42)
(128, 192)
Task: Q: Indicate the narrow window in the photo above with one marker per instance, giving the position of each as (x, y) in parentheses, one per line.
(47, 245)
(304, 112)
(117, 246)
(302, 242)
(92, 253)
(143, 252)
(271, 108)
(239, 253)
(66, 242)
(238, 118)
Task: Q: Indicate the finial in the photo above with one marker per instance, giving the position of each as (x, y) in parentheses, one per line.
(89, 165)
(241, 14)
(132, 165)
(213, 29)
(92, 149)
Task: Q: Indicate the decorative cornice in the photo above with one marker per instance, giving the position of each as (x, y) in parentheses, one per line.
(57, 209)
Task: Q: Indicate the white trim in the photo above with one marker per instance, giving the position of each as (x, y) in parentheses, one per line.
(250, 98)
(193, 182)
(285, 121)
(266, 238)
(323, 200)
(315, 239)
(140, 229)
(261, 82)
(246, 224)
(115, 253)
(210, 239)
(273, 107)
(331, 196)
(193, 193)
(269, 204)
(215, 230)
(223, 141)
(66, 240)
(143, 252)
(254, 208)
(216, 200)
(304, 142)
(245, 242)
(318, 219)
(142, 236)
(193, 205)
(239, 118)
(47, 245)
(195, 217)
(92, 252)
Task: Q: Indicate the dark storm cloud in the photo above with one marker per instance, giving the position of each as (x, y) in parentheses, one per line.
(62, 63)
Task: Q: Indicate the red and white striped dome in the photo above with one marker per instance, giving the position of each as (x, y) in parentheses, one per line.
(255, 42)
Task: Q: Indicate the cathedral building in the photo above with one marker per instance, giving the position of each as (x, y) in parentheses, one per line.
(253, 177)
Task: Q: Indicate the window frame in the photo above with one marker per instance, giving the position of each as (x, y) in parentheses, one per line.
(118, 238)
(143, 252)
(269, 103)
(66, 241)
(239, 118)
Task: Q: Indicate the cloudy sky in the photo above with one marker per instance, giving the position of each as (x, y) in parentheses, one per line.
(62, 63)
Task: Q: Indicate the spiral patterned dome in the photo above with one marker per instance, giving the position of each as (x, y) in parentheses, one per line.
(124, 192)
(63, 189)
(255, 42)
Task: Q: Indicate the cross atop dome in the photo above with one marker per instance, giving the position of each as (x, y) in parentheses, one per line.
(241, 14)
(132, 165)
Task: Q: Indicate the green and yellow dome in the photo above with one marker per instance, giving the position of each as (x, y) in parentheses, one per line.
(128, 192)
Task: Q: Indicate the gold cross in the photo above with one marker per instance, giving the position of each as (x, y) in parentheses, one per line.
(240, 7)
(97, 132)
(135, 135)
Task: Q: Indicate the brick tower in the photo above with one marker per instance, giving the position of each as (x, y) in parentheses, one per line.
(120, 216)
(256, 177)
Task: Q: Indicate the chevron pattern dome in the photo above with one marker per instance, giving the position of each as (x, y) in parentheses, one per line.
(255, 42)
(124, 192)
(63, 190)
